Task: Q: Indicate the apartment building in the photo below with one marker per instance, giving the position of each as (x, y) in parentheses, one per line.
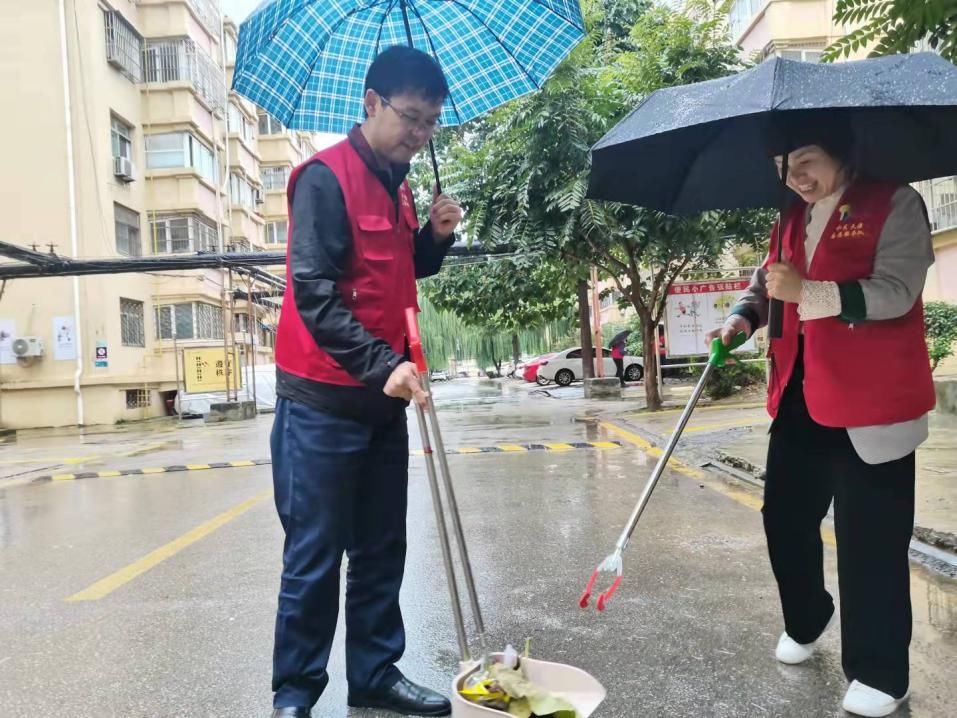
(800, 30)
(129, 98)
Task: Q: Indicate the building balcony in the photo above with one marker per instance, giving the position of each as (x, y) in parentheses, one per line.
(243, 159)
(180, 60)
(246, 226)
(940, 196)
(181, 190)
(201, 19)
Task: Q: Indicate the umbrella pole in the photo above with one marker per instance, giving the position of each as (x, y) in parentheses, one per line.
(776, 308)
(408, 37)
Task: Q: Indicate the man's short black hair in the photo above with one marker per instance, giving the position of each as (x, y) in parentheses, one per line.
(404, 70)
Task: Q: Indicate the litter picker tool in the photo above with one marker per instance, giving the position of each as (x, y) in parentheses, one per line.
(613, 562)
(418, 356)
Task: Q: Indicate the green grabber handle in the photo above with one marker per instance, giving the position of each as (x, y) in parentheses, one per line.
(720, 353)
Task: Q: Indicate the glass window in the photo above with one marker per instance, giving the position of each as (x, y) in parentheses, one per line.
(121, 139)
(126, 225)
(166, 151)
(277, 232)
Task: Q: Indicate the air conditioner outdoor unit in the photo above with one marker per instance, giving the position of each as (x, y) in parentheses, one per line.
(123, 168)
(27, 347)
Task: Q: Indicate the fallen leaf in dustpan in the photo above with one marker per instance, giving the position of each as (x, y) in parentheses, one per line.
(529, 699)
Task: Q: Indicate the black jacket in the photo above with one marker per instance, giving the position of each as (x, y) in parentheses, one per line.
(320, 249)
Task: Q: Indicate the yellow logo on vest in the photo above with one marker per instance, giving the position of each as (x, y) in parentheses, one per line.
(849, 231)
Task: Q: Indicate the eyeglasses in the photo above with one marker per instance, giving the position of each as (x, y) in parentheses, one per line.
(413, 123)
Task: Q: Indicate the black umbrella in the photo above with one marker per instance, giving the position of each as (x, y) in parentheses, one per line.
(707, 146)
(619, 338)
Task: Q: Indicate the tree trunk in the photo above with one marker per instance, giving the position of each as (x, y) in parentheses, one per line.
(515, 352)
(649, 345)
(588, 365)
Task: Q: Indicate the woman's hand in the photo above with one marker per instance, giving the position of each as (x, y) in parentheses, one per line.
(733, 325)
(784, 282)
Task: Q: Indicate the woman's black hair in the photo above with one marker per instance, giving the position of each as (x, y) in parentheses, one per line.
(831, 131)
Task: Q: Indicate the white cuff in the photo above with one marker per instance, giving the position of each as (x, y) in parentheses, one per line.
(819, 300)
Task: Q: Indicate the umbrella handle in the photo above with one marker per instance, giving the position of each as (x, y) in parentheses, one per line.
(776, 319)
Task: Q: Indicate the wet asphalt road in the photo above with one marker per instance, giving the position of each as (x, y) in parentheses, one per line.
(186, 631)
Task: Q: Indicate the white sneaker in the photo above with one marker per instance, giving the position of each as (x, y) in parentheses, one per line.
(792, 653)
(865, 701)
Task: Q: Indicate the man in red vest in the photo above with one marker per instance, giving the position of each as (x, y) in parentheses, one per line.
(343, 380)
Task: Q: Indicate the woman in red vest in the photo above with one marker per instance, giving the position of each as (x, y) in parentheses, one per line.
(850, 388)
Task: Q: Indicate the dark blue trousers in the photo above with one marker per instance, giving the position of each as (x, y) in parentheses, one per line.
(340, 486)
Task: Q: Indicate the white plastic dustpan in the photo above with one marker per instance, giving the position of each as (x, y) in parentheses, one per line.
(578, 687)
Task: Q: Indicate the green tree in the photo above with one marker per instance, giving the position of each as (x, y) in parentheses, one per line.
(897, 26)
(506, 296)
(527, 181)
(940, 326)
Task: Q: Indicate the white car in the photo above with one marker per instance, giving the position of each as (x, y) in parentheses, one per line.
(566, 367)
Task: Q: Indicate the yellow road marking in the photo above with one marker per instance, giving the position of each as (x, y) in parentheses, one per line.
(108, 474)
(735, 493)
(50, 460)
(559, 447)
(512, 447)
(724, 425)
(107, 585)
(155, 470)
(698, 410)
(468, 450)
(197, 467)
(605, 445)
(63, 477)
(241, 464)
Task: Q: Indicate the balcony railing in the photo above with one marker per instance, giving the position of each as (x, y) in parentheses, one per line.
(940, 195)
(183, 234)
(209, 14)
(181, 60)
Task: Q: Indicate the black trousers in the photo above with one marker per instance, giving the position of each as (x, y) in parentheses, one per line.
(620, 370)
(808, 466)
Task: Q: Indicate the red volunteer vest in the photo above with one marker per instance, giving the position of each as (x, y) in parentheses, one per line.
(379, 280)
(864, 374)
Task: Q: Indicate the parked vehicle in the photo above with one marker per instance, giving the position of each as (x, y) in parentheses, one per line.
(566, 367)
(530, 372)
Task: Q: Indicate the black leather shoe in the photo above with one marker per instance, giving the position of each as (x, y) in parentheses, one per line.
(292, 712)
(404, 697)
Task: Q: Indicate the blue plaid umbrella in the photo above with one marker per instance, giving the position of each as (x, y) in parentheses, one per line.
(304, 61)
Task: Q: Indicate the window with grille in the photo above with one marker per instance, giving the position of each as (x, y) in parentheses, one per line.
(126, 224)
(191, 320)
(132, 329)
(138, 398)
(275, 177)
(209, 321)
(237, 245)
(121, 138)
(276, 232)
(940, 196)
(183, 234)
(269, 125)
(182, 60)
(124, 46)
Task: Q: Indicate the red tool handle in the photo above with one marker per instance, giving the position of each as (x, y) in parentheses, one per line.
(415, 339)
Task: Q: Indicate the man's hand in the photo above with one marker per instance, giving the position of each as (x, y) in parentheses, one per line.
(733, 325)
(404, 383)
(445, 215)
(784, 282)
